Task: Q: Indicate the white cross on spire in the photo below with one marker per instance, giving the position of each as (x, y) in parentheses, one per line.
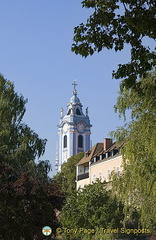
(75, 84)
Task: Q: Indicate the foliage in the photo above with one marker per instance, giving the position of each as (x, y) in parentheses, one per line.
(66, 177)
(28, 198)
(39, 170)
(18, 143)
(115, 23)
(137, 185)
(90, 208)
(26, 205)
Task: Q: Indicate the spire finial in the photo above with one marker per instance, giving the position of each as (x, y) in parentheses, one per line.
(61, 112)
(75, 84)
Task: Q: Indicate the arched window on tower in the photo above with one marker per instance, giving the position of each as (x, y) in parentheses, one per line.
(69, 112)
(80, 141)
(78, 112)
(65, 141)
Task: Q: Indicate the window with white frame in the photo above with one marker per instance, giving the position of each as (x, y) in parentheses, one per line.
(94, 177)
(100, 176)
(108, 175)
(86, 169)
(118, 171)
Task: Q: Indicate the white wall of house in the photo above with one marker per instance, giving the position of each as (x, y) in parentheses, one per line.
(82, 183)
(102, 169)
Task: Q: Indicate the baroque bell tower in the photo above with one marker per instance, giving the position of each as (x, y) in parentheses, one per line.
(73, 129)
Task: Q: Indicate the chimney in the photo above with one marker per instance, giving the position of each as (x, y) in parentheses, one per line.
(107, 143)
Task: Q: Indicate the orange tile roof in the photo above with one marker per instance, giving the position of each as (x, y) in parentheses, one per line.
(96, 149)
(115, 145)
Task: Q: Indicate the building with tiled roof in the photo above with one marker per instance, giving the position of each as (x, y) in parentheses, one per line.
(99, 162)
(83, 165)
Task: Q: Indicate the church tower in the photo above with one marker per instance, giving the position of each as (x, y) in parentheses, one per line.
(73, 129)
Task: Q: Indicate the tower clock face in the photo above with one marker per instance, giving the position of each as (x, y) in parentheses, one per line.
(80, 127)
(65, 127)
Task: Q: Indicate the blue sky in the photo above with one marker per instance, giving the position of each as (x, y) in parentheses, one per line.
(35, 50)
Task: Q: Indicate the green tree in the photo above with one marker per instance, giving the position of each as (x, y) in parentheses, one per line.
(115, 23)
(27, 204)
(90, 208)
(28, 198)
(137, 184)
(67, 176)
(18, 143)
(39, 170)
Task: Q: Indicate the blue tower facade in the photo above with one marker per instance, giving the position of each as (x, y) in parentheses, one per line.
(73, 129)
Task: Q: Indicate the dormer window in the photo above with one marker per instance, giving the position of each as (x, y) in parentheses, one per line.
(112, 153)
(78, 112)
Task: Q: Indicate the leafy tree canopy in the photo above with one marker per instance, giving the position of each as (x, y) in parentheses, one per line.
(28, 199)
(137, 184)
(27, 204)
(67, 176)
(115, 23)
(91, 207)
(18, 143)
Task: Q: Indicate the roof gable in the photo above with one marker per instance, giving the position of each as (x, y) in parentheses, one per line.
(96, 149)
